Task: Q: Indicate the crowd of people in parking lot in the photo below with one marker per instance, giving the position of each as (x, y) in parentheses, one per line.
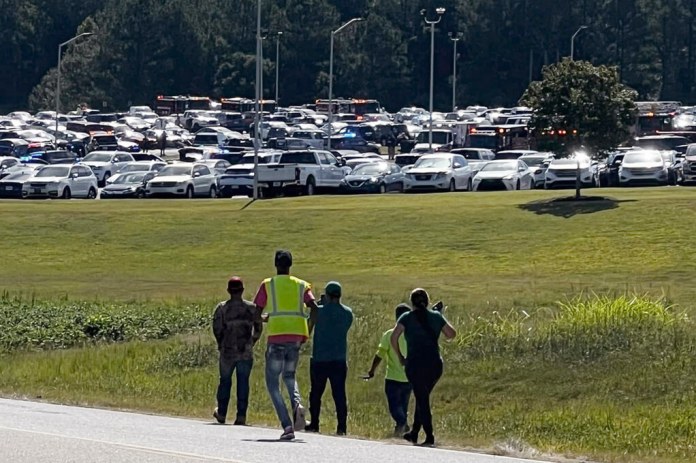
(195, 147)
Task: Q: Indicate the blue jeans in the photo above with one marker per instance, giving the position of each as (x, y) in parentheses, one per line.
(227, 367)
(398, 396)
(282, 359)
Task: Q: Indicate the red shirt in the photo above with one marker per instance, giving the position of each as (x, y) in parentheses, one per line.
(261, 300)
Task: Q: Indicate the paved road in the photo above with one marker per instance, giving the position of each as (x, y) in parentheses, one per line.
(33, 432)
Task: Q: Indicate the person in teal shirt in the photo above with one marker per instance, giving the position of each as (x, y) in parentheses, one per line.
(421, 327)
(396, 385)
(330, 357)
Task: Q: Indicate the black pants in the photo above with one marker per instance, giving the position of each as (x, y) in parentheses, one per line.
(319, 374)
(398, 395)
(423, 376)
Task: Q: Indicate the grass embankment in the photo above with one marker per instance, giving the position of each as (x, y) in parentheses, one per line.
(613, 379)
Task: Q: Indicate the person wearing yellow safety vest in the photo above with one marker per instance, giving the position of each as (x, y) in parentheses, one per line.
(285, 299)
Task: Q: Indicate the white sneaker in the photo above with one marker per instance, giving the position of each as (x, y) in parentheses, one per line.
(299, 417)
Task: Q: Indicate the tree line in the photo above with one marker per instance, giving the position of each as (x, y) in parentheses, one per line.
(142, 48)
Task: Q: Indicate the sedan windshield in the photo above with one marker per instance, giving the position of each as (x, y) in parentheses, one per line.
(136, 177)
(499, 166)
(97, 157)
(532, 162)
(135, 168)
(645, 157)
(53, 172)
(375, 168)
(175, 170)
(437, 163)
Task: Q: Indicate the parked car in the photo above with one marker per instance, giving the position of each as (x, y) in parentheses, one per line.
(342, 142)
(562, 173)
(12, 184)
(538, 163)
(504, 175)
(217, 166)
(183, 179)
(373, 177)
(105, 163)
(351, 161)
(306, 171)
(137, 166)
(61, 181)
(643, 167)
(53, 157)
(689, 165)
(609, 171)
(448, 172)
(514, 154)
(238, 179)
(477, 157)
(127, 185)
(6, 162)
(315, 139)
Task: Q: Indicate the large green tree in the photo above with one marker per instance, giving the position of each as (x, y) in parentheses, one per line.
(576, 97)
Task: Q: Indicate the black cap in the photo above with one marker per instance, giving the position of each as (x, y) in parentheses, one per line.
(283, 258)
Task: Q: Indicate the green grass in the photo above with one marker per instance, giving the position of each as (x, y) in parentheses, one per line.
(609, 376)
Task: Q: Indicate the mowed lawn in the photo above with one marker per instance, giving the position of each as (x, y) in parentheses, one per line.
(475, 250)
(615, 383)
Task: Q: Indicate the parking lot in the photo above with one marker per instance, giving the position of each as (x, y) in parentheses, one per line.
(196, 147)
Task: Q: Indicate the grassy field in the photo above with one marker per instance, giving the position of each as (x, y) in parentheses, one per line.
(611, 378)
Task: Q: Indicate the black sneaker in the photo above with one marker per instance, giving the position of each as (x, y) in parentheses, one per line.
(411, 437)
(429, 442)
(240, 421)
(288, 434)
(311, 427)
(341, 432)
(220, 419)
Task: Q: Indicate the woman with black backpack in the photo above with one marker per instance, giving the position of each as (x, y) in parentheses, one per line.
(421, 328)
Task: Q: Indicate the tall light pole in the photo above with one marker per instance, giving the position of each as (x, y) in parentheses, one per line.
(257, 116)
(331, 55)
(454, 37)
(60, 47)
(440, 11)
(572, 42)
(277, 63)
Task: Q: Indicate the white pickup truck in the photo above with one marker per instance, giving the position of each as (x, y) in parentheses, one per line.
(301, 171)
(238, 179)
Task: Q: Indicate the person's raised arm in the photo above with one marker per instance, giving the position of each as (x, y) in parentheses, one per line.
(398, 331)
(448, 330)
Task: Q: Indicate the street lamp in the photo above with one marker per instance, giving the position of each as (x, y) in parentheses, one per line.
(440, 11)
(60, 47)
(331, 55)
(454, 37)
(278, 35)
(257, 115)
(572, 41)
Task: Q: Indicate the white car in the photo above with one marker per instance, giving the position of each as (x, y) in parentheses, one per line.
(439, 172)
(217, 166)
(643, 167)
(315, 139)
(137, 166)
(504, 175)
(61, 181)
(106, 163)
(562, 173)
(538, 163)
(183, 179)
(239, 178)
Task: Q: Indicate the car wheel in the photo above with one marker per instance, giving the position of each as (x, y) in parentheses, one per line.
(470, 185)
(382, 188)
(189, 192)
(106, 177)
(196, 127)
(140, 194)
(452, 186)
(518, 184)
(66, 193)
(310, 189)
(213, 192)
(92, 193)
(401, 187)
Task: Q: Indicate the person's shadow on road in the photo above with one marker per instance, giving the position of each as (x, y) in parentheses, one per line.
(276, 441)
(569, 207)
